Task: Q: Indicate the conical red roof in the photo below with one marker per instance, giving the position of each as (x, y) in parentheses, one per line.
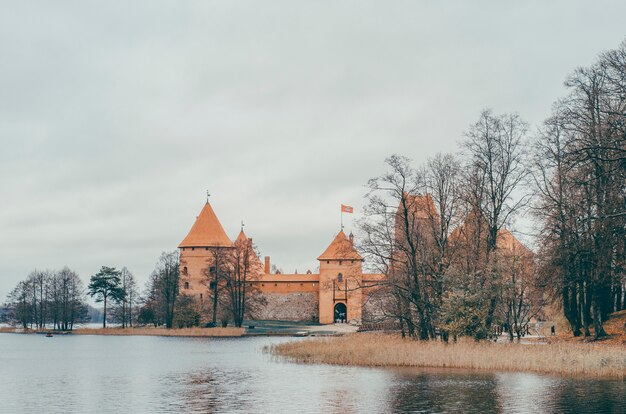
(242, 237)
(340, 249)
(255, 261)
(206, 231)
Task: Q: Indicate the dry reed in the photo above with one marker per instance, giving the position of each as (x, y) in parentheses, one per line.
(373, 349)
(8, 329)
(146, 331)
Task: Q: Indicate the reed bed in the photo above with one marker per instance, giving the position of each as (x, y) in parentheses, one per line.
(8, 329)
(375, 350)
(145, 331)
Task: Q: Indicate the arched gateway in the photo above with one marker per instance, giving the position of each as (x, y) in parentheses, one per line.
(340, 312)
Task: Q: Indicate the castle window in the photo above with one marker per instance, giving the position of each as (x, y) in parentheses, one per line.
(185, 270)
(327, 261)
(340, 263)
(339, 277)
(200, 295)
(193, 248)
(206, 248)
(212, 285)
(186, 285)
(301, 284)
(262, 284)
(212, 269)
(275, 284)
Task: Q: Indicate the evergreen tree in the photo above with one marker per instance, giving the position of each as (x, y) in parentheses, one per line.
(104, 286)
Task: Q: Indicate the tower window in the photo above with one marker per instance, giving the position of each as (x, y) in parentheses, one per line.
(340, 263)
(186, 285)
(212, 285)
(200, 295)
(339, 277)
(193, 248)
(185, 270)
(206, 248)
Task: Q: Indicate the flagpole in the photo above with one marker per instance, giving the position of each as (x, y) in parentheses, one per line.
(341, 218)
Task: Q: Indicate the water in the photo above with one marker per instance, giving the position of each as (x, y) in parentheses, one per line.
(117, 374)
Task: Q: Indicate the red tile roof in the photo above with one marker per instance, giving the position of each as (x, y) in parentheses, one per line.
(206, 231)
(340, 248)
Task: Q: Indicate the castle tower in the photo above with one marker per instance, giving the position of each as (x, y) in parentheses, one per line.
(198, 250)
(341, 276)
(255, 266)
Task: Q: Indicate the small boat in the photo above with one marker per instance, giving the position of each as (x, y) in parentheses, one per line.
(49, 335)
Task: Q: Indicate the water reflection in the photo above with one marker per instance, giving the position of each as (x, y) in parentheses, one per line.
(441, 391)
(576, 396)
(169, 375)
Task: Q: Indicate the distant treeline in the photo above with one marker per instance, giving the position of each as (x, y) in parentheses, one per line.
(57, 298)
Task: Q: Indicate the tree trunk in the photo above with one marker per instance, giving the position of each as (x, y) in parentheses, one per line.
(597, 318)
(215, 290)
(587, 310)
(104, 319)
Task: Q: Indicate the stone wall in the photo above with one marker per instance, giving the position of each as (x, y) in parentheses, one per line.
(297, 306)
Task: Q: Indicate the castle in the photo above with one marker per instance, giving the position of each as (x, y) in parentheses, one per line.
(337, 292)
(340, 291)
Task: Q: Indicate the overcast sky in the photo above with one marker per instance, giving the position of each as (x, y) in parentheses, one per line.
(115, 117)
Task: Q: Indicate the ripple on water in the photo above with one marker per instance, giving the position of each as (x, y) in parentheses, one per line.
(91, 374)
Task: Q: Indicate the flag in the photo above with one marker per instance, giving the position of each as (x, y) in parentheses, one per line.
(346, 209)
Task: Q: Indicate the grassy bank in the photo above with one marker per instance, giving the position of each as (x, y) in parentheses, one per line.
(371, 349)
(144, 331)
(148, 331)
(8, 329)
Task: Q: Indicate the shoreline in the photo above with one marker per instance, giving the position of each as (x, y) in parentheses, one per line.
(260, 328)
(228, 332)
(590, 360)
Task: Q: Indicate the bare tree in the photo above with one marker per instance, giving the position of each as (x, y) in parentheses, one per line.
(124, 310)
(496, 147)
(443, 183)
(39, 283)
(20, 301)
(242, 268)
(214, 274)
(521, 302)
(401, 235)
(167, 275)
(71, 299)
(581, 174)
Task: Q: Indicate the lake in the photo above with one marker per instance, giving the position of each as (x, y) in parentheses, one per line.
(134, 374)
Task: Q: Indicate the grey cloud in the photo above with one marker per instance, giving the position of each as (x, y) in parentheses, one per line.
(115, 118)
